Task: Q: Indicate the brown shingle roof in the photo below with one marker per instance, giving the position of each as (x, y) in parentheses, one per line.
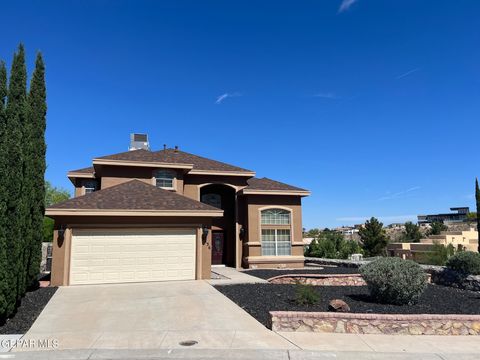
(88, 170)
(174, 157)
(133, 195)
(270, 185)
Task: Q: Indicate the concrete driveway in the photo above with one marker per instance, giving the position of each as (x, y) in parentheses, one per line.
(148, 316)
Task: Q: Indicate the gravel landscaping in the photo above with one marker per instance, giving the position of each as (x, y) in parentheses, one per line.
(269, 273)
(32, 305)
(259, 299)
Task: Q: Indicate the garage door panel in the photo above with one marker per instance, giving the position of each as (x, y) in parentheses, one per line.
(122, 255)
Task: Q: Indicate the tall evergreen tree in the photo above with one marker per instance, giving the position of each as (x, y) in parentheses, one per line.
(374, 238)
(477, 198)
(4, 273)
(412, 232)
(15, 207)
(37, 109)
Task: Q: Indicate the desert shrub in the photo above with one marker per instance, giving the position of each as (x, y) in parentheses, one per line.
(394, 281)
(466, 262)
(305, 294)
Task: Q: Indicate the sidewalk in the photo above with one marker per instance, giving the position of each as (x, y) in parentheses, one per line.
(197, 354)
(229, 276)
(400, 344)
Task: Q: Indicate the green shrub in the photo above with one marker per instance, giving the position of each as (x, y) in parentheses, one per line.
(437, 256)
(332, 245)
(306, 294)
(392, 280)
(466, 262)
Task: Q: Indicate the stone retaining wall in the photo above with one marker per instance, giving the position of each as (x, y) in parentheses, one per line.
(320, 279)
(439, 275)
(327, 322)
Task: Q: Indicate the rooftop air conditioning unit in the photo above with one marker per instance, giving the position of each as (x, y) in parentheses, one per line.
(139, 141)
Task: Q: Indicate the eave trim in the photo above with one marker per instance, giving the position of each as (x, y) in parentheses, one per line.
(276, 192)
(112, 212)
(71, 174)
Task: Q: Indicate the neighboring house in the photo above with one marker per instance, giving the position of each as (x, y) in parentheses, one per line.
(460, 214)
(169, 215)
(461, 240)
(347, 230)
(307, 240)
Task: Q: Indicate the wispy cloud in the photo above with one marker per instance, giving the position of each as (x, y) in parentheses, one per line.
(345, 5)
(399, 194)
(384, 219)
(405, 74)
(327, 95)
(223, 97)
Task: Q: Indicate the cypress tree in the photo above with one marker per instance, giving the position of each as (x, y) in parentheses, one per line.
(477, 198)
(15, 207)
(37, 109)
(3, 247)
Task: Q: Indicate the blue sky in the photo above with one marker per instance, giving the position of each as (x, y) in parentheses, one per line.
(374, 106)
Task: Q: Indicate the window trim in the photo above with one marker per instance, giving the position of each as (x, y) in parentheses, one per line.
(84, 187)
(276, 227)
(174, 179)
(276, 241)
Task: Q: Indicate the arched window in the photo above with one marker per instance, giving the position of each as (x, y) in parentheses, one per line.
(275, 217)
(164, 179)
(275, 230)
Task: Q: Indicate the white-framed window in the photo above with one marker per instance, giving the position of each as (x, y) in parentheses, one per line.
(90, 186)
(276, 242)
(164, 179)
(276, 232)
(275, 217)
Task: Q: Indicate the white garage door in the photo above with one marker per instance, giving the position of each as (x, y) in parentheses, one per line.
(133, 255)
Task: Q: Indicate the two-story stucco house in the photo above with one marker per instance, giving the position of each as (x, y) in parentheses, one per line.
(146, 215)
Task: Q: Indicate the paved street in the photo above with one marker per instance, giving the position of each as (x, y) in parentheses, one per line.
(197, 354)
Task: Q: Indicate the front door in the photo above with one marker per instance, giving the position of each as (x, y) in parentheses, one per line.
(218, 242)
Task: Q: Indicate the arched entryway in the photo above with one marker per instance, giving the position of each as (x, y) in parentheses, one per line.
(223, 229)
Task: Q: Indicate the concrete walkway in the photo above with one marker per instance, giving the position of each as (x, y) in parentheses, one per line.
(150, 316)
(232, 276)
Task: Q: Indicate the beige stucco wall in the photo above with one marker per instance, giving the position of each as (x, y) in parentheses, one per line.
(467, 239)
(61, 248)
(115, 175)
(252, 246)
